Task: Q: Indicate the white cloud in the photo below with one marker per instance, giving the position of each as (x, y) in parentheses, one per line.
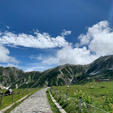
(39, 57)
(65, 32)
(98, 41)
(70, 55)
(32, 57)
(4, 56)
(37, 66)
(34, 68)
(37, 40)
(50, 61)
(11, 65)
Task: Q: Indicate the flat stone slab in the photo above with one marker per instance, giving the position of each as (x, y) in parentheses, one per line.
(37, 103)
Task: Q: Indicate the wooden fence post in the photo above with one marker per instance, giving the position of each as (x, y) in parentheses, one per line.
(80, 104)
(60, 94)
(1, 101)
(12, 97)
(23, 91)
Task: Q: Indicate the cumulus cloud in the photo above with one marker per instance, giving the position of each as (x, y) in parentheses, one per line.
(37, 40)
(37, 66)
(4, 56)
(98, 41)
(51, 60)
(70, 55)
(48, 60)
(65, 32)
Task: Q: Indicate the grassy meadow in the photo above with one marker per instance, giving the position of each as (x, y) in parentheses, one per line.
(18, 94)
(92, 97)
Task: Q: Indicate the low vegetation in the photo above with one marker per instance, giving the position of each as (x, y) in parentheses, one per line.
(92, 97)
(15, 105)
(52, 105)
(17, 94)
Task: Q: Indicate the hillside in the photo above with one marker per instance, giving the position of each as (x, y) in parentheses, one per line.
(61, 75)
(11, 76)
(102, 68)
(67, 74)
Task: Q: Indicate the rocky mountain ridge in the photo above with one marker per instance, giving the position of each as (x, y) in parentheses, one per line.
(67, 74)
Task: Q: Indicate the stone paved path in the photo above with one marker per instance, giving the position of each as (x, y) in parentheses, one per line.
(37, 103)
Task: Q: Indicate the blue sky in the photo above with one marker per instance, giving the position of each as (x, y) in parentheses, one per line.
(64, 28)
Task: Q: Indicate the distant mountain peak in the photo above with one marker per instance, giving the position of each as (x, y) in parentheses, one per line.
(61, 75)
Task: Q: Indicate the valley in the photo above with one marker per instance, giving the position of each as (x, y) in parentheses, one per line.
(77, 88)
(68, 74)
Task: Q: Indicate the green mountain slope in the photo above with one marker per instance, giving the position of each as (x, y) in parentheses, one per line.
(9, 75)
(102, 68)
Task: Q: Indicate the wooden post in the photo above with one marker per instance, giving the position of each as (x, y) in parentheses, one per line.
(12, 97)
(26, 91)
(66, 94)
(80, 104)
(23, 91)
(60, 94)
(1, 101)
(67, 90)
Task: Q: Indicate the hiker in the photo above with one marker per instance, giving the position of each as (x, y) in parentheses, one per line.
(9, 92)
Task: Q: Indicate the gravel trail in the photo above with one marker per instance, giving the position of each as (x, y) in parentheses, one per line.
(37, 103)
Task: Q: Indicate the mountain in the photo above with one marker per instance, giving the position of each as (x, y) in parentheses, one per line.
(102, 68)
(12, 77)
(61, 75)
(67, 74)
(9, 75)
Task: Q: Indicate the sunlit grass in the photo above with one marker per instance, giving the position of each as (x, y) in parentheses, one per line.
(99, 94)
(18, 94)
